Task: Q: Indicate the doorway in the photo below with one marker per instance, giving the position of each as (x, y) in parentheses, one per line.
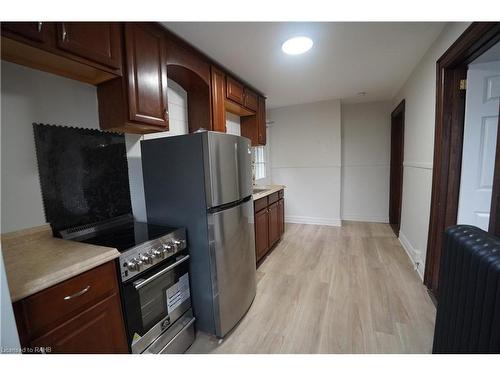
(396, 179)
(452, 151)
(482, 100)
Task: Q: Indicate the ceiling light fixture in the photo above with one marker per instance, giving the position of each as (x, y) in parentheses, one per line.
(297, 45)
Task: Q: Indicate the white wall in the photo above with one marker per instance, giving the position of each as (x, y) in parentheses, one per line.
(419, 92)
(28, 96)
(233, 124)
(306, 157)
(366, 158)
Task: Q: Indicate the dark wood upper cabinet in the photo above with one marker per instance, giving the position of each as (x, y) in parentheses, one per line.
(96, 41)
(261, 121)
(254, 126)
(218, 85)
(146, 74)
(35, 31)
(80, 56)
(138, 102)
(235, 90)
(251, 99)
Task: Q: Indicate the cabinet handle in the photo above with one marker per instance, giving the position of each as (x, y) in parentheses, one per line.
(39, 27)
(64, 33)
(77, 294)
(165, 114)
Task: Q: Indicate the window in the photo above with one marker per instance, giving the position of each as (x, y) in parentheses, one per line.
(259, 162)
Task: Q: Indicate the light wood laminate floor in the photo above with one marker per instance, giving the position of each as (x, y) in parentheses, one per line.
(349, 289)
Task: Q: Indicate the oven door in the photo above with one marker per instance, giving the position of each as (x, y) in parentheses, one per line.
(154, 300)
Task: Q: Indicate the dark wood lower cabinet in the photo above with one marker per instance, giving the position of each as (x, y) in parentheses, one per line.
(261, 233)
(96, 330)
(269, 223)
(79, 315)
(281, 216)
(274, 232)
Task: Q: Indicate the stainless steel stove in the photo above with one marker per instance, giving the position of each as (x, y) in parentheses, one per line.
(154, 272)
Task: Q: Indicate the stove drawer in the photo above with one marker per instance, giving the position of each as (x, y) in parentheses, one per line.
(68, 298)
(177, 339)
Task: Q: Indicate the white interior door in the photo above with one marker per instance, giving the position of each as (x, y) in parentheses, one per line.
(480, 138)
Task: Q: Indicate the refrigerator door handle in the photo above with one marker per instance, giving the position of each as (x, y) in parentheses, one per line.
(236, 162)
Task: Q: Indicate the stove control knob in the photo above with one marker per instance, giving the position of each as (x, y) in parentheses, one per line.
(158, 254)
(180, 244)
(139, 266)
(177, 244)
(131, 265)
(147, 259)
(167, 248)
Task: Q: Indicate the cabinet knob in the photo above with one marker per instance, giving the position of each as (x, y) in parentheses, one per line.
(39, 27)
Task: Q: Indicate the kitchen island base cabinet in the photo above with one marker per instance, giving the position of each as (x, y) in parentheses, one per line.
(79, 315)
(269, 216)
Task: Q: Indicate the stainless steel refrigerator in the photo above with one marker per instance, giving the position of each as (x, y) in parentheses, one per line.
(203, 182)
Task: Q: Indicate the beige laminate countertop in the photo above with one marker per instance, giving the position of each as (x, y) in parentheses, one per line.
(270, 189)
(34, 260)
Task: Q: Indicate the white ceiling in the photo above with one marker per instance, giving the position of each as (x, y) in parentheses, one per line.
(347, 58)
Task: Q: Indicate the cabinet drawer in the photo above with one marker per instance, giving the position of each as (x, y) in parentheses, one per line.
(68, 298)
(273, 197)
(260, 204)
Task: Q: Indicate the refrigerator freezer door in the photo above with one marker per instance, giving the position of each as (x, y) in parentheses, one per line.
(228, 168)
(232, 253)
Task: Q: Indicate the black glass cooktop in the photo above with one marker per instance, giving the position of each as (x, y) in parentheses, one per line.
(127, 235)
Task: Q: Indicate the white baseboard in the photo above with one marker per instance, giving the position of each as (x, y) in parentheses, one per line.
(412, 254)
(372, 219)
(313, 220)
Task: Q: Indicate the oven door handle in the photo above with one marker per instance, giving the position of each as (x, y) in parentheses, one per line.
(139, 284)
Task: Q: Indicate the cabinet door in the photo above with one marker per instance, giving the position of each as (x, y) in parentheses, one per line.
(251, 101)
(36, 31)
(274, 232)
(95, 41)
(261, 233)
(234, 91)
(218, 96)
(146, 74)
(97, 330)
(281, 217)
(261, 121)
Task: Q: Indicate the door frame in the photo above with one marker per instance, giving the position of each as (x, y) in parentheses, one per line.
(398, 111)
(448, 140)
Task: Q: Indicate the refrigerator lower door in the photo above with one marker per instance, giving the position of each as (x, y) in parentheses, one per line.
(232, 259)
(228, 168)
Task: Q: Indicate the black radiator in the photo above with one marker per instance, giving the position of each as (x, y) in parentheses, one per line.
(468, 313)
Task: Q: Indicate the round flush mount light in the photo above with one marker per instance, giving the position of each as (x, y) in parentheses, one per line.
(297, 45)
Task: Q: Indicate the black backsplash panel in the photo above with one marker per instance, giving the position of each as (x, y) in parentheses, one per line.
(83, 175)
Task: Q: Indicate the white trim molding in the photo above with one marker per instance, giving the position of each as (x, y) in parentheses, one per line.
(415, 164)
(313, 220)
(412, 254)
(369, 219)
